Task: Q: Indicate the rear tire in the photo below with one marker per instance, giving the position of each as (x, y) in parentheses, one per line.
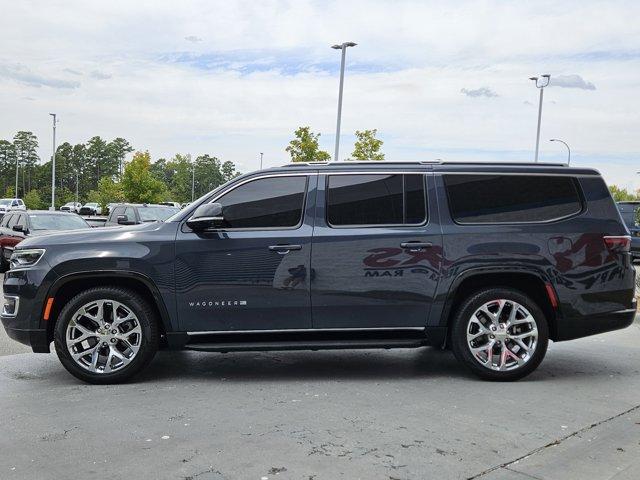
(500, 334)
(106, 335)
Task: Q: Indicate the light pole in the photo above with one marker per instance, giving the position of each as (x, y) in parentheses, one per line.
(261, 154)
(53, 166)
(540, 82)
(566, 145)
(193, 180)
(342, 47)
(17, 157)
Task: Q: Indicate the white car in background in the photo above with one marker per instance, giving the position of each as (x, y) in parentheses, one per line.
(91, 209)
(7, 204)
(71, 207)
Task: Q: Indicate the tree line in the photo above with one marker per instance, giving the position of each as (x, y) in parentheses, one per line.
(97, 171)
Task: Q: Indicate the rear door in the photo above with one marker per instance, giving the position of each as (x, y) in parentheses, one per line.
(377, 250)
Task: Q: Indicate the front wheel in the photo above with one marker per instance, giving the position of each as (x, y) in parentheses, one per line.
(500, 334)
(106, 335)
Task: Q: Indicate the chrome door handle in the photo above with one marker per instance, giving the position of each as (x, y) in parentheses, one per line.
(284, 249)
(416, 246)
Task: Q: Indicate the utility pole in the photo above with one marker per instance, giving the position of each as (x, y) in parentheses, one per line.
(193, 181)
(343, 47)
(261, 154)
(53, 166)
(540, 82)
(17, 157)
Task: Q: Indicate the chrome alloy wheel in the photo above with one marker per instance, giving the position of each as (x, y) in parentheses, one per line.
(103, 336)
(502, 335)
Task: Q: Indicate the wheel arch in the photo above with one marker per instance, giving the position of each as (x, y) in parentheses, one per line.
(68, 286)
(529, 282)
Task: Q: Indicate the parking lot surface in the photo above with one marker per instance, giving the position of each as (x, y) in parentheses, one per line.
(374, 414)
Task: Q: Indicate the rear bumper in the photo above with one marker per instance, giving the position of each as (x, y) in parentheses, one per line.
(570, 328)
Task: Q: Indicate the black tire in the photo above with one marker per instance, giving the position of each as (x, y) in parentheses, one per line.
(462, 349)
(148, 324)
(3, 265)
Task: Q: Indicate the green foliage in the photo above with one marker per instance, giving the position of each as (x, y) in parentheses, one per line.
(367, 146)
(9, 192)
(305, 147)
(138, 184)
(622, 195)
(108, 192)
(33, 201)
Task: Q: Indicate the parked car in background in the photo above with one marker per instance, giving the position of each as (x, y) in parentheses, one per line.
(91, 209)
(171, 204)
(15, 226)
(71, 207)
(7, 204)
(491, 260)
(629, 213)
(133, 214)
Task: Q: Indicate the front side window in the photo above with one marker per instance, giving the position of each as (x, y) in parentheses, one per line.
(276, 202)
(395, 199)
(511, 198)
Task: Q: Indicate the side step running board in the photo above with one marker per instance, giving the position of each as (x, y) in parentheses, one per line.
(305, 345)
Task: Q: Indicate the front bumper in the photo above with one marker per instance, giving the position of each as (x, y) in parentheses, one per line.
(31, 287)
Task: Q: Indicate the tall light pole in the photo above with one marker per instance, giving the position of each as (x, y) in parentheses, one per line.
(261, 154)
(540, 82)
(193, 181)
(342, 47)
(53, 166)
(566, 145)
(17, 157)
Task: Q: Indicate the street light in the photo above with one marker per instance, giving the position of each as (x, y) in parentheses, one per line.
(342, 47)
(53, 166)
(540, 82)
(261, 154)
(565, 144)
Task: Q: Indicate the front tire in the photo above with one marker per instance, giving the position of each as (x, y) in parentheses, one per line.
(500, 334)
(106, 335)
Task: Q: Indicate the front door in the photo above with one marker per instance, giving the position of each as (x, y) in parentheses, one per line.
(253, 272)
(377, 249)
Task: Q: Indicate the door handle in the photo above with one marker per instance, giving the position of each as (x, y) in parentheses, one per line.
(284, 249)
(416, 246)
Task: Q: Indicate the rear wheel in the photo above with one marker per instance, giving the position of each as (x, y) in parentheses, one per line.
(106, 335)
(500, 334)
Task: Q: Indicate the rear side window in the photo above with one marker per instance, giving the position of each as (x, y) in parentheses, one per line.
(5, 220)
(511, 198)
(376, 200)
(275, 202)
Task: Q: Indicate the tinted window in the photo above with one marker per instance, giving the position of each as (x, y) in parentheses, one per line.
(116, 211)
(154, 214)
(57, 222)
(13, 219)
(266, 203)
(130, 213)
(5, 219)
(511, 198)
(376, 199)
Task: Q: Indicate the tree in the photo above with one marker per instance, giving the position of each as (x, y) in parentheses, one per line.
(305, 148)
(33, 201)
(108, 192)
(367, 146)
(138, 184)
(25, 144)
(621, 194)
(117, 150)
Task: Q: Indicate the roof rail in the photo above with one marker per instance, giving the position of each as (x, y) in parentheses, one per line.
(425, 162)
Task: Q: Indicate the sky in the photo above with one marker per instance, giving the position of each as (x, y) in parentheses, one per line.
(438, 80)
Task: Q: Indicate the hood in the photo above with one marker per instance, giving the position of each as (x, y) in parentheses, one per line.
(93, 235)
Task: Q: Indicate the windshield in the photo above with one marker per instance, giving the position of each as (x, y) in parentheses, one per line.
(57, 222)
(152, 214)
(5, 201)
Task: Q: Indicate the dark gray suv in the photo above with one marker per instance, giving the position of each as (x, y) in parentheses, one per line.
(490, 260)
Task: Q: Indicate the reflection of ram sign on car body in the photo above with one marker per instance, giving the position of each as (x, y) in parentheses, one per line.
(490, 260)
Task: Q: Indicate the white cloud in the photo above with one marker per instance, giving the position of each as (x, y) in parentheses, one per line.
(98, 75)
(22, 74)
(479, 92)
(571, 81)
(193, 38)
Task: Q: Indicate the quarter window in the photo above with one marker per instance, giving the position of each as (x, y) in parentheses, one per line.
(376, 200)
(511, 198)
(275, 202)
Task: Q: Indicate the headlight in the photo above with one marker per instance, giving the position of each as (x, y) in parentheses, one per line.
(25, 258)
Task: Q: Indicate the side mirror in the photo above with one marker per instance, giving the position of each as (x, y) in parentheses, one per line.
(123, 220)
(206, 216)
(19, 228)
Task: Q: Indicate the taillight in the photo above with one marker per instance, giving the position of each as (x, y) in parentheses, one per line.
(620, 243)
